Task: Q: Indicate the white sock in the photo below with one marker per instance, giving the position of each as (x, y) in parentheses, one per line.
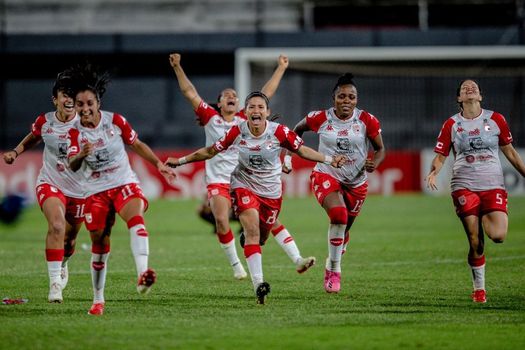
(287, 243)
(227, 242)
(336, 236)
(139, 247)
(53, 270)
(478, 277)
(254, 262)
(99, 267)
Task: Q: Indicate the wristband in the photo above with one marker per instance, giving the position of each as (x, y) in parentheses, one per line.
(182, 160)
(328, 160)
(14, 150)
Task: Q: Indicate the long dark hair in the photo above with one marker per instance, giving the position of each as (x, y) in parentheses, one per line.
(90, 77)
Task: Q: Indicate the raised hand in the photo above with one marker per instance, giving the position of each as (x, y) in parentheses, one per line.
(10, 156)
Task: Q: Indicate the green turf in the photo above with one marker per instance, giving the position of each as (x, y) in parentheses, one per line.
(405, 284)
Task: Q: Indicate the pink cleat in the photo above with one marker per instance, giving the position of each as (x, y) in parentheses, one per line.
(97, 309)
(332, 281)
(479, 296)
(146, 280)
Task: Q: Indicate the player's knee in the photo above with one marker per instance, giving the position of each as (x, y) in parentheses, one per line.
(498, 236)
(57, 228)
(338, 215)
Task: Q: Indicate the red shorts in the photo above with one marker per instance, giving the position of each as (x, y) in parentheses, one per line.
(480, 202)
(101, 207)
(324, 184)
(74, 206)
(222, 190)
(268, 208)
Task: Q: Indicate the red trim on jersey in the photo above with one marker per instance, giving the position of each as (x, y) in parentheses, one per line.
(36, 127)
(315, 119)
(373, 127)
(242, 115)
(228, 139)
(74, 146)
(505, 137)
(128, 134)
(444, 142)
(205, 112)
(287, 138)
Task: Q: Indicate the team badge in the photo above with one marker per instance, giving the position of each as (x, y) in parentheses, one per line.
(245, 200)
(88, 218)
(214, 192)
(462, 200)
(326, 184)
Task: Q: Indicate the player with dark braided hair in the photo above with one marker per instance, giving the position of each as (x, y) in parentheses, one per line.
(346, 130)
(97, 151)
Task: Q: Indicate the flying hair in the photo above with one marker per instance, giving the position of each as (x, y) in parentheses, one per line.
(89, 77)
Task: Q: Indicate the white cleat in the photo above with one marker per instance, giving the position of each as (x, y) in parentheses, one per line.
(239, 272)
(304, 264)
(55, 293)
(64, 275)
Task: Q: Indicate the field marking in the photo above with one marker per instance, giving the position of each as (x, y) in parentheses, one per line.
(276, 267)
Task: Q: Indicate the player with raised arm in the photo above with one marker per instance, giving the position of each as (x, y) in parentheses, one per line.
(97, 150)
(256, 180)
(475, 136)
(218, 169)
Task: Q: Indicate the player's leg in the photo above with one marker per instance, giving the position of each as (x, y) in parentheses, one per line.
(287, 243)
(354, 199)
(205, 213)
(74, 219)
(220, 206)
(54, 211)
(494, 217)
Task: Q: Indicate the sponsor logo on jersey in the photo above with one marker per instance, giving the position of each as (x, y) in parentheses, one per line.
(460, 130)
(470, 158)
(343, 132)
(255, 148)
(474, 132)
(329, 128)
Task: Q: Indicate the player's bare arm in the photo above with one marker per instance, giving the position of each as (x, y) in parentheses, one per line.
(308, 153)
(147, 153)
(437, 164)
(379, 154)
(514, 158)
(75, 162)
(28, 142)
(272, 84)
(186, 87)
(203, 153)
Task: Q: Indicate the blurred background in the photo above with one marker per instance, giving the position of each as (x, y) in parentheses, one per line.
(408, 57)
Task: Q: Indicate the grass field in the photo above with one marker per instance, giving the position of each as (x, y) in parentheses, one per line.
(405, 284)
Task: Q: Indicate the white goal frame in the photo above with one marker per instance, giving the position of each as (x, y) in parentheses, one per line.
(245, 56)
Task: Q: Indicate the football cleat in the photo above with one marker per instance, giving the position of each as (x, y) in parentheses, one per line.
(146, 280)
(97, 309)
(304, 264)
(479, 296)
(64, 276)
(239, 272)
(261, 292)
(332, 281)
(55, 293)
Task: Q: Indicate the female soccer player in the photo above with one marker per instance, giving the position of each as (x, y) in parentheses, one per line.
(475, 135)
(256, 180)
(97, 150)
(219, 169)
(343, 129)
(58, 191)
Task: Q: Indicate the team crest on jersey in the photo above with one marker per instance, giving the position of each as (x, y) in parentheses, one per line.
(462, 200)
(245, 200)
(88, 218)
(356, 128)
(326, 184)
(53, 189)
(110, 132)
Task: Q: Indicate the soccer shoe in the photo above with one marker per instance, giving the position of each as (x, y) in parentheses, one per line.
(332, 281)
(479, 296)
(64, 275)
(304, 264)
(97, 309)
(55, 293)
(239, 272)
(261, 292)
(146, 280)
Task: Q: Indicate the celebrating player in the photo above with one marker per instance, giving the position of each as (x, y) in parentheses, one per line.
(256, 180)
(97, 149)
(475, 135)
(346, 130)
(219, 168)
(58, 191)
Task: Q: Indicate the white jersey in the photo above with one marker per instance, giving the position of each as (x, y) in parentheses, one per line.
(108, 166)
(259, 162)
(55, 169)
(220, 167)
(350, 137)
(475, 143)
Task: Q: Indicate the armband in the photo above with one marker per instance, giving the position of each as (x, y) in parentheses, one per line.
(328, 160)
